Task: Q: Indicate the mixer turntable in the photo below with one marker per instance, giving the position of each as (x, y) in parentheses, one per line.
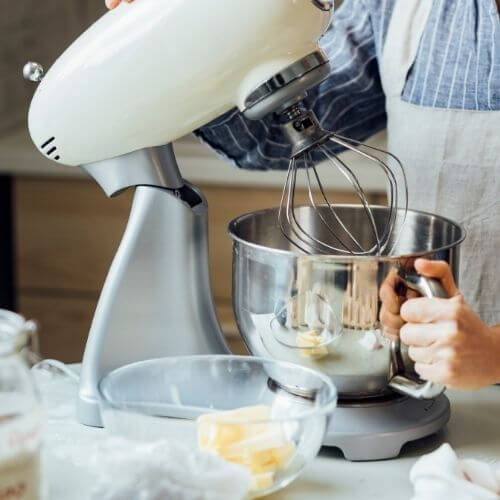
(378, 429)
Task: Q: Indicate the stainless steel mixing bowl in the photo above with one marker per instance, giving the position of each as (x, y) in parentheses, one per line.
(324, 311)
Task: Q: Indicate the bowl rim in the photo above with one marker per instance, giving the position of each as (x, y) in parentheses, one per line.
(295, 253)
(326, 408)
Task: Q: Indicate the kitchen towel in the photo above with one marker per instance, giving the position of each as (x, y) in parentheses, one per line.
(442, 475)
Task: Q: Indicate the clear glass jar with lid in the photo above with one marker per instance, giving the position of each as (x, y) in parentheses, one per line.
(21, 417)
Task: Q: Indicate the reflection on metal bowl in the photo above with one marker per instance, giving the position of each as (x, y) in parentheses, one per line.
(323, 311)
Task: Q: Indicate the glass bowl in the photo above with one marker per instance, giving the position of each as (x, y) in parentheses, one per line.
(162, 398)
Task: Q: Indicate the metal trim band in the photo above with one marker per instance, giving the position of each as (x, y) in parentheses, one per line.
(285, 77)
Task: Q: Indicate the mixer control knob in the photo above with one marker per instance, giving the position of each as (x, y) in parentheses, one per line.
(33, 72)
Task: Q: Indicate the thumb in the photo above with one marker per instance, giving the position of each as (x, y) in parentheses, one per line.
(438, 269)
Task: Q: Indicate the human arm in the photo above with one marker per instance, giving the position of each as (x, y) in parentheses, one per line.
(350, 101)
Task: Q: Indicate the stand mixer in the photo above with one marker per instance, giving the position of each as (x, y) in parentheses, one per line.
(114, 102)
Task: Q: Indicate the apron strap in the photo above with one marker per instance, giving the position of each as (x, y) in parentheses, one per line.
(406, 28)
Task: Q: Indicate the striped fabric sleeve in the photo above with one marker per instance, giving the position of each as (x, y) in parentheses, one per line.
(350, 101)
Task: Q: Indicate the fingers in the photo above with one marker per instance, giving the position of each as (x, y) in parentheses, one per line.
(391, 323)
(388, 295)
(391, 305)
(397, 310)
(424, 310)
(436, 372)
(431, 355)
(111, 4)
(422, 354)
(425, 334)
(440, 270)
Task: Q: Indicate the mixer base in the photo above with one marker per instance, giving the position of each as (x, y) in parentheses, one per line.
(378, 431)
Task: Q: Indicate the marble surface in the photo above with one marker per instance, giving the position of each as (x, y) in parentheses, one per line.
(474, 431)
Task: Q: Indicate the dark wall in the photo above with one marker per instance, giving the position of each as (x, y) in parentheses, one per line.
(35, 30)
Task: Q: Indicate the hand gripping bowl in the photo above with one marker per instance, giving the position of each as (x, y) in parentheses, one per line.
(323, 311)
(136, 398)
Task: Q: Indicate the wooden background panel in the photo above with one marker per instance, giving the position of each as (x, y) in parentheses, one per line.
(64, 323)
(67, 232)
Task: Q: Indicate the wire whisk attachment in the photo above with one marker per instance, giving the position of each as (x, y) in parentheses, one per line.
(324, 228)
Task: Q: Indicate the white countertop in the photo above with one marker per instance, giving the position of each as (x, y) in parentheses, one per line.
(198, 163)
(474, 431)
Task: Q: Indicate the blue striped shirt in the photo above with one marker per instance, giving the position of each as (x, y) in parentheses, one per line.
(457, 67)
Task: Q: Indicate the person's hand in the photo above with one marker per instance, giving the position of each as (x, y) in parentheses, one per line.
(393, 294)
(111, 4)
(447, 340)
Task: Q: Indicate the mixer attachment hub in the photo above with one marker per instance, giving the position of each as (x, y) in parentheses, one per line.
(303, 130)
(326, 231)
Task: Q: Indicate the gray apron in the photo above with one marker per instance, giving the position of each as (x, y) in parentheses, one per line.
(452, 159)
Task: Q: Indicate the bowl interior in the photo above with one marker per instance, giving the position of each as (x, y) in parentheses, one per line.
(421, 232)
(186, 387)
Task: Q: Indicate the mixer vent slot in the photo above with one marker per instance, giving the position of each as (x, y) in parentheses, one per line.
(52, 150)
(47, 142)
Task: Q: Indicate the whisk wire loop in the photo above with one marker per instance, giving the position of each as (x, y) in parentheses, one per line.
(351, 177)
(323, 231)
(331, 208)
(394, 199)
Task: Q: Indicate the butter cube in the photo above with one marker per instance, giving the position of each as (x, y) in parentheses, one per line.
(310, 344)
(218, 431)
(261, 447)
(284, 455)
(262, 481)
(217, 436)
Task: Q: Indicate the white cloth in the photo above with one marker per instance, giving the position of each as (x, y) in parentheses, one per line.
(442, 475)
(103, 467)
(451, 157)
(163, 470)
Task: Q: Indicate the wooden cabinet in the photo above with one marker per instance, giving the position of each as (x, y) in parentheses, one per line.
(67, 233)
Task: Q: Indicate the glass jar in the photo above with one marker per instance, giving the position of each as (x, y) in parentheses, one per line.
(20, 411)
